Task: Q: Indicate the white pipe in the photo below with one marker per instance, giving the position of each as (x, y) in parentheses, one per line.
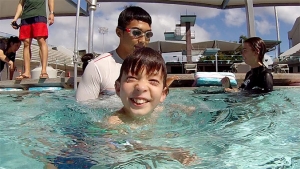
(277, 30)
(92, 9)
(216, 56)
(75, 56)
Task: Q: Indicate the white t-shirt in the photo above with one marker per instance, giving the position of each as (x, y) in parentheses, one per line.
(99, 76)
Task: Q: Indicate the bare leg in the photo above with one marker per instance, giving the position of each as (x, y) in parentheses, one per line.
(43, 54)
(26, 57)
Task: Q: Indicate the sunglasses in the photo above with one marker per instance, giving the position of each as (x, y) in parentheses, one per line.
(137, 33)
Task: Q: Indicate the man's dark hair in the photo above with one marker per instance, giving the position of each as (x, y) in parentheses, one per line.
(133, 13)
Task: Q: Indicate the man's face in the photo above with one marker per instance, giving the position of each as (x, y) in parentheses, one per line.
(129, 41)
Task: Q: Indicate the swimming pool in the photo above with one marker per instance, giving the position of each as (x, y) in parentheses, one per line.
(224, 131)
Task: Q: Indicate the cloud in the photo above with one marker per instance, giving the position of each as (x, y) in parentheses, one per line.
(287, 14)
(62, 32)
(234, 17)
(264, 27)
(177, 10)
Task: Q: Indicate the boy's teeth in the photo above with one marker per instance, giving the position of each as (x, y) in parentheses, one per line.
(140, 101)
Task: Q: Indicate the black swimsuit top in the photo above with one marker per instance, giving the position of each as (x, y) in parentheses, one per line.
(258, 79)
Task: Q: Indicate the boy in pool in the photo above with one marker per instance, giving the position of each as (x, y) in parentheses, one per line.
(141, 86)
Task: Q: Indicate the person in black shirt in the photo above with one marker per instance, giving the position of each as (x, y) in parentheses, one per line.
(8, 54)
(259, 78)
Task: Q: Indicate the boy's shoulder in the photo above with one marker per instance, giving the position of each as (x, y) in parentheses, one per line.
(115, 119)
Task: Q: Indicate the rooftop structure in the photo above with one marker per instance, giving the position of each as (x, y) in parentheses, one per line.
(186, 21)
(294, 33)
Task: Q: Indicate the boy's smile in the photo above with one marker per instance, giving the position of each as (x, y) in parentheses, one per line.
(141, 93)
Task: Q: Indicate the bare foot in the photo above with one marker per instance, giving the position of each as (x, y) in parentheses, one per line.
(23, 76)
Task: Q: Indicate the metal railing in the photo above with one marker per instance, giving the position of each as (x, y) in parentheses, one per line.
(180, 32)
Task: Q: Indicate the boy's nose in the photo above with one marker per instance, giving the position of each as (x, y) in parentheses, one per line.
(141, 86)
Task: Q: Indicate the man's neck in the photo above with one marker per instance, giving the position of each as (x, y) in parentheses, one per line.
(122, 52)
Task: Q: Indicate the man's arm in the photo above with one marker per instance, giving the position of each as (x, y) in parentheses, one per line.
(90, 84)
(51, 11)
(19, 10)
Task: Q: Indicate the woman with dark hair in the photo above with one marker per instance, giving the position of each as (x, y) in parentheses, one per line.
(259, 78)
(85, 60)
(8, 55)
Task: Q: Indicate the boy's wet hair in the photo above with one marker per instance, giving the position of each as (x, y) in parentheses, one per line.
(133, 13)
(144, 59)
(257, 44)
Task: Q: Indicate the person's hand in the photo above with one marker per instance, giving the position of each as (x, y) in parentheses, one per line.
(225, 82)
(11, 65)
(14, 24)
(51, 19)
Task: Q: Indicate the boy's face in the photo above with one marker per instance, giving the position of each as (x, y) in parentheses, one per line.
(140, 93)
(128, 41)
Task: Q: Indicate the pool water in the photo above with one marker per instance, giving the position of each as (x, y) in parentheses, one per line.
(232, 131)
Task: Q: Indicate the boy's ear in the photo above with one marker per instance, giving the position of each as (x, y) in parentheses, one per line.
(117, 87)
(164, 94)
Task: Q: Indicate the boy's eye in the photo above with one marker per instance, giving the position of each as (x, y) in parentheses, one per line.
(130, 79)
(154, 82)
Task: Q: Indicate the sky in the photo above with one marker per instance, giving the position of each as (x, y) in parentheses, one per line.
(211, 24)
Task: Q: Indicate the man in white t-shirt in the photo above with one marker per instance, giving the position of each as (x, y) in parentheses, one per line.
(134, 31)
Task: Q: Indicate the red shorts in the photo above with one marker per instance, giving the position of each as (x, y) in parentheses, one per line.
(33, 27)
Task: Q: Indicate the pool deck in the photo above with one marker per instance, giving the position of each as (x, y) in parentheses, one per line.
(185, 80)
